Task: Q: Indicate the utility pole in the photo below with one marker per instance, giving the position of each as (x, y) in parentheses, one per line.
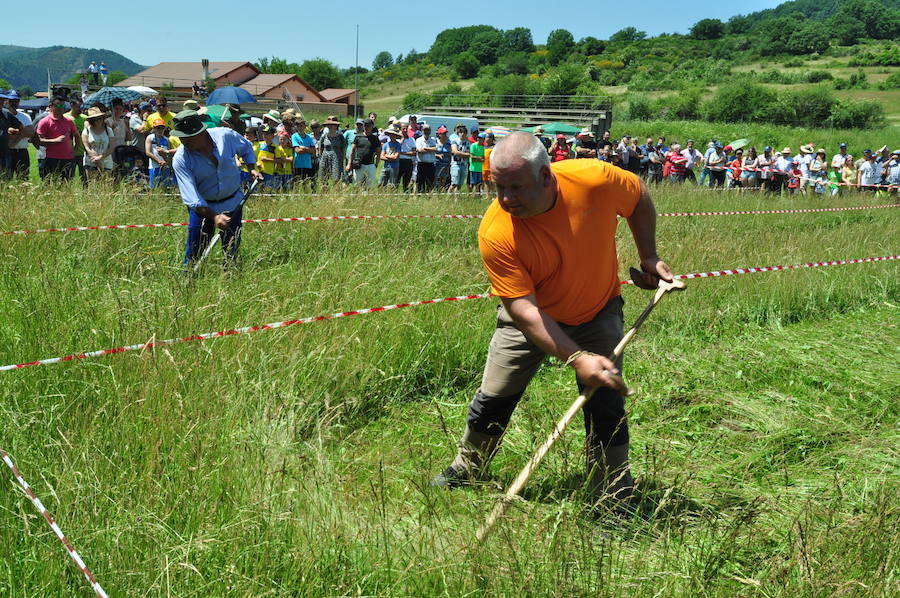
(356, 78)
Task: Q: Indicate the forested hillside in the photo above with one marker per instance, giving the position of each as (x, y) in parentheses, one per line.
(27, 67)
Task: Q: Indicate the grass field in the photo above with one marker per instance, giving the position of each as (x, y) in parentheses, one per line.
(296, 462)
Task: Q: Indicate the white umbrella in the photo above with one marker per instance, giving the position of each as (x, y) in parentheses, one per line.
(144, 90)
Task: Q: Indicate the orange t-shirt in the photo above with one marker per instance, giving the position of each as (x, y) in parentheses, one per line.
(486, 165)
(566, 256)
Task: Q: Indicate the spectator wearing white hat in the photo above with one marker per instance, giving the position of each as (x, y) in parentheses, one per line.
(426, 148)
(585, 144)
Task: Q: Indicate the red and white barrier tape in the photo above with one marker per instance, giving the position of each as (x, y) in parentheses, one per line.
(247, 329)
(95, 585)
(426, 216)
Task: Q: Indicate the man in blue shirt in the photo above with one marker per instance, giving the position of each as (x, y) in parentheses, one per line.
(209, 180)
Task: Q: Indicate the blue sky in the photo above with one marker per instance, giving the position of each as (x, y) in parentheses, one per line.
(231, 30)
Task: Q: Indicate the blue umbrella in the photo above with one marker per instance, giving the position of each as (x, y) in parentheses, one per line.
(106, 95)
(230, 95)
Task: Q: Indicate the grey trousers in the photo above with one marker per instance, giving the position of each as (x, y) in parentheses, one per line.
(513, 360)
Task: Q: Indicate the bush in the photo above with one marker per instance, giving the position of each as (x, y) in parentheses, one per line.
(809, 107)
(856, 115)
(857, 80)
(564, 79)
(639, 108)
(740, 102)
(794, 63)
(466, 65)
(892, 82)
(415, 101)
(818, 76)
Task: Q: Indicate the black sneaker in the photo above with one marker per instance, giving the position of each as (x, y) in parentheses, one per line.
(450, 478)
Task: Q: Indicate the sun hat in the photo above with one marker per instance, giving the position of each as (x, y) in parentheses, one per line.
(538, 131)
(393, 131)
(274, 115)
(190, 105)
(442, 129)
(188, 124)
(806, 149)
(585, 132)
(12, 94)
(94, 113)
(896, 152)
(787, 150)
(882, 149)
(820, 151)
(332, 120)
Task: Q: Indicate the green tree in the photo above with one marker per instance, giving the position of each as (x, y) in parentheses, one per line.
(565, 79)
(810, 37)
(708, 29)
(382, 60)
(450, 43)
(846, 30)
(880, 21)
(26, 92)
(115, 77)
(775, 35)
(560, 44)
(740, 102)
(276, 66)
(738, 24)
(514, 64)
(320, 73)
(486, 46)
(591, 46)
(466, 65)
(519, 39)
(4, 84)
(629, 34)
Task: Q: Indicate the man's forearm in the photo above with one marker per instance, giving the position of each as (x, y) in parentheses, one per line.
(643, 225)
(540, 328)
(206, 212)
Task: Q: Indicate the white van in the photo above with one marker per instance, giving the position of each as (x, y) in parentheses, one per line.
(436, 120)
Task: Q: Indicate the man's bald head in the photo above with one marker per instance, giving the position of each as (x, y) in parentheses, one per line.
(520, 150)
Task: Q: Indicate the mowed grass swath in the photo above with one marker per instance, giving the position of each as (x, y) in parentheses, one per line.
(295, 462)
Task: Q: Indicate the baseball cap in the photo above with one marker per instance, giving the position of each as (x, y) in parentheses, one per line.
(867, 152)
(368, 121)
(560, 136)
(442, 129)
(843, 145)
(768, 148)
(158, 122)
(360, 121)
(482, 135)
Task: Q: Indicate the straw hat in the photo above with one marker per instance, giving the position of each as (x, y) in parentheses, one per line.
(538, 131)
(332, 120)
(806, 149)
(586, 132)
(393, 131)
(94, 113)
(787, 150)
(191, 105)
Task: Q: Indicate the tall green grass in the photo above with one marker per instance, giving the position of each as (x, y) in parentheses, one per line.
(295, 462)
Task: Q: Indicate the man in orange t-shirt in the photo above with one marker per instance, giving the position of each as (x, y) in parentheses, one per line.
(548, 246)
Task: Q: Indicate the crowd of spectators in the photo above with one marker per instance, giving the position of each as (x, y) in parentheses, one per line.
(724, 166)
(134, 142)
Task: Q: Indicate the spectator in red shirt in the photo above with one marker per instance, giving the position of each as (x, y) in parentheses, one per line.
(58, 135)
(677, 164)
(735, 167)
(560, 149)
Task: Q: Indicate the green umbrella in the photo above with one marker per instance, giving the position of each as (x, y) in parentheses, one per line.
(557, 127)
(739, 143)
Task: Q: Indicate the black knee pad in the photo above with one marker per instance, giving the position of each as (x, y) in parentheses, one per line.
(490, 415)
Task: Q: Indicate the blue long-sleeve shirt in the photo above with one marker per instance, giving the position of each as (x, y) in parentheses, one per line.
(202, 184)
